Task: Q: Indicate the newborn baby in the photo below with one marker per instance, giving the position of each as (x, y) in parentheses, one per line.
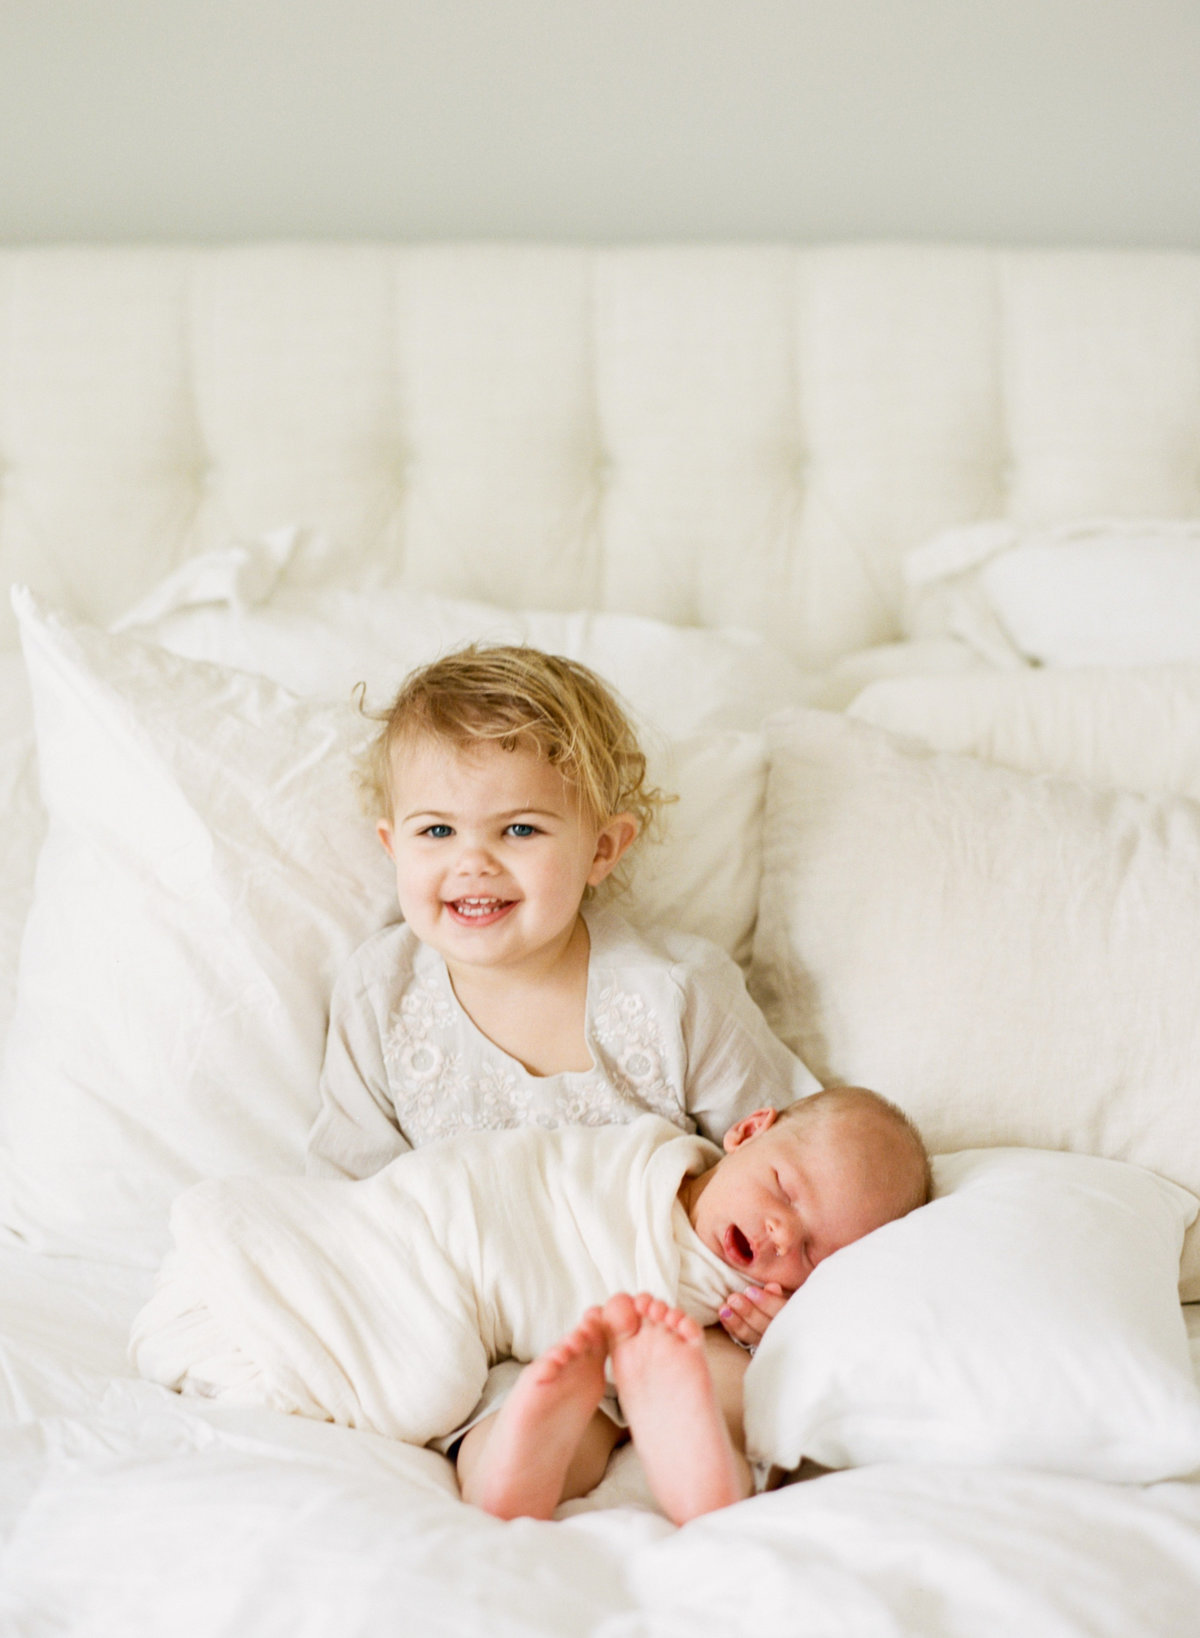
(380, 1304)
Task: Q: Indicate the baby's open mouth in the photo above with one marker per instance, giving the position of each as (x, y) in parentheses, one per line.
(738, 1249)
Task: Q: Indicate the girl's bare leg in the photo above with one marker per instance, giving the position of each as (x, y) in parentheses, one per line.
(547, 1443)
(675, 1407)
(727, 1365)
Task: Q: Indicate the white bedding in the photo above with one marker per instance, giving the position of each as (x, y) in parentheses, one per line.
(128, 1512)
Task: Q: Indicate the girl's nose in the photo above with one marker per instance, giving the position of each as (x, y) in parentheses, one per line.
(474, 859)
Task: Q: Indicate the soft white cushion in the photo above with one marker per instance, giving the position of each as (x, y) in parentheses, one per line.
(24, 823)
(1132, 729)
(705, 873)
(1027, 1317)
(1119, 592)
(1012, 958)
(275, 605)
(207, 870)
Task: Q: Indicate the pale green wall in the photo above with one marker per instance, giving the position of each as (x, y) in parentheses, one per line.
(1065, 121)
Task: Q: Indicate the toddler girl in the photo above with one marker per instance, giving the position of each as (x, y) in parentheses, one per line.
(509, 787)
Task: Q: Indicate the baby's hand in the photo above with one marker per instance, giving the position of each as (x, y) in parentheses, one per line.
(747, 1314)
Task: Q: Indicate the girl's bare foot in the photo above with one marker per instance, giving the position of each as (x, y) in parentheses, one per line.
(522, 1468)
(666, 1392)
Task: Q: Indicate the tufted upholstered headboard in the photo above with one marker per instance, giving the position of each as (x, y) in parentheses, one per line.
(712, 435)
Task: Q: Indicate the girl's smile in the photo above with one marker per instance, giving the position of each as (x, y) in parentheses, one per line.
(480, 912)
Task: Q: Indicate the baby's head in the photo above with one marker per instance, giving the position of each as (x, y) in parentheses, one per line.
(796, 1185)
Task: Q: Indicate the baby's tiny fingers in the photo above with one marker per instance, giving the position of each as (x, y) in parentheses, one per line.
(737, 1325)
(768, 1301)
(741, 1304)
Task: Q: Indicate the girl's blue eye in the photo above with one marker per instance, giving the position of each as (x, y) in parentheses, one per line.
(438, 831)
(520, 829)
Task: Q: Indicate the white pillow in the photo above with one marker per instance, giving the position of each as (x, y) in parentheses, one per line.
(207, 870)
(239, 608)
(1131, 729)
(1103, 592)
(1026, 1317)
(1012, 958)
(24, 822)
(705, 873)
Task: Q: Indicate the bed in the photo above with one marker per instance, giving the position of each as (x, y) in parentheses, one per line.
(893, 551)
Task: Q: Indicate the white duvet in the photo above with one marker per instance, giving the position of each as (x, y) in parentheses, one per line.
(381, 1304)
(127, 1511)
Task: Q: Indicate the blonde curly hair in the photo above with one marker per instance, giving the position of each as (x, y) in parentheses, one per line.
(517, 696)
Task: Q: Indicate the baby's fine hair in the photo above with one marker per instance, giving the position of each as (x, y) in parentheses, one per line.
(521, 697)
(836, 1100)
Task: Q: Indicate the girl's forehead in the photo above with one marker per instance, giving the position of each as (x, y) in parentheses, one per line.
(425, 767)
(431, 754)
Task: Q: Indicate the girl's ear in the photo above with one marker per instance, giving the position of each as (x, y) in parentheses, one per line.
(384, 832)
(616, 837)
(749, 1126)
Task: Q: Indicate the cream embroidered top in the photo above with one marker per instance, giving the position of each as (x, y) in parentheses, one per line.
(670, 1028)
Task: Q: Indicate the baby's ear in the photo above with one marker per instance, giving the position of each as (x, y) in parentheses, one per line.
(615, 839)
(760, 1120)
(384, 832)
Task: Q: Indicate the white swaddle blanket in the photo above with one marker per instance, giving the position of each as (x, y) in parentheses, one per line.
(381, 1304)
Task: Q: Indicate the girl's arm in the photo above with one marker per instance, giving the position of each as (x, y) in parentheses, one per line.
(355, 1133)
(735, 1062)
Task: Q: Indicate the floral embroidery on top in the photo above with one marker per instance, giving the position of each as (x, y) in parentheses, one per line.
(440, 1088)
(628, 1031)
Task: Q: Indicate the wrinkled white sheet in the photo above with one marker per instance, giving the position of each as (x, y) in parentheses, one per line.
(128, 1512)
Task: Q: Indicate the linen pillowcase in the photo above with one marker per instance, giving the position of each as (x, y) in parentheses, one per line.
(24, 823)
(704, 875)
(1026, 1317)
(241, 608)
(1098, 592)
(208, 869)
(1011, 958)
(1129, 729)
